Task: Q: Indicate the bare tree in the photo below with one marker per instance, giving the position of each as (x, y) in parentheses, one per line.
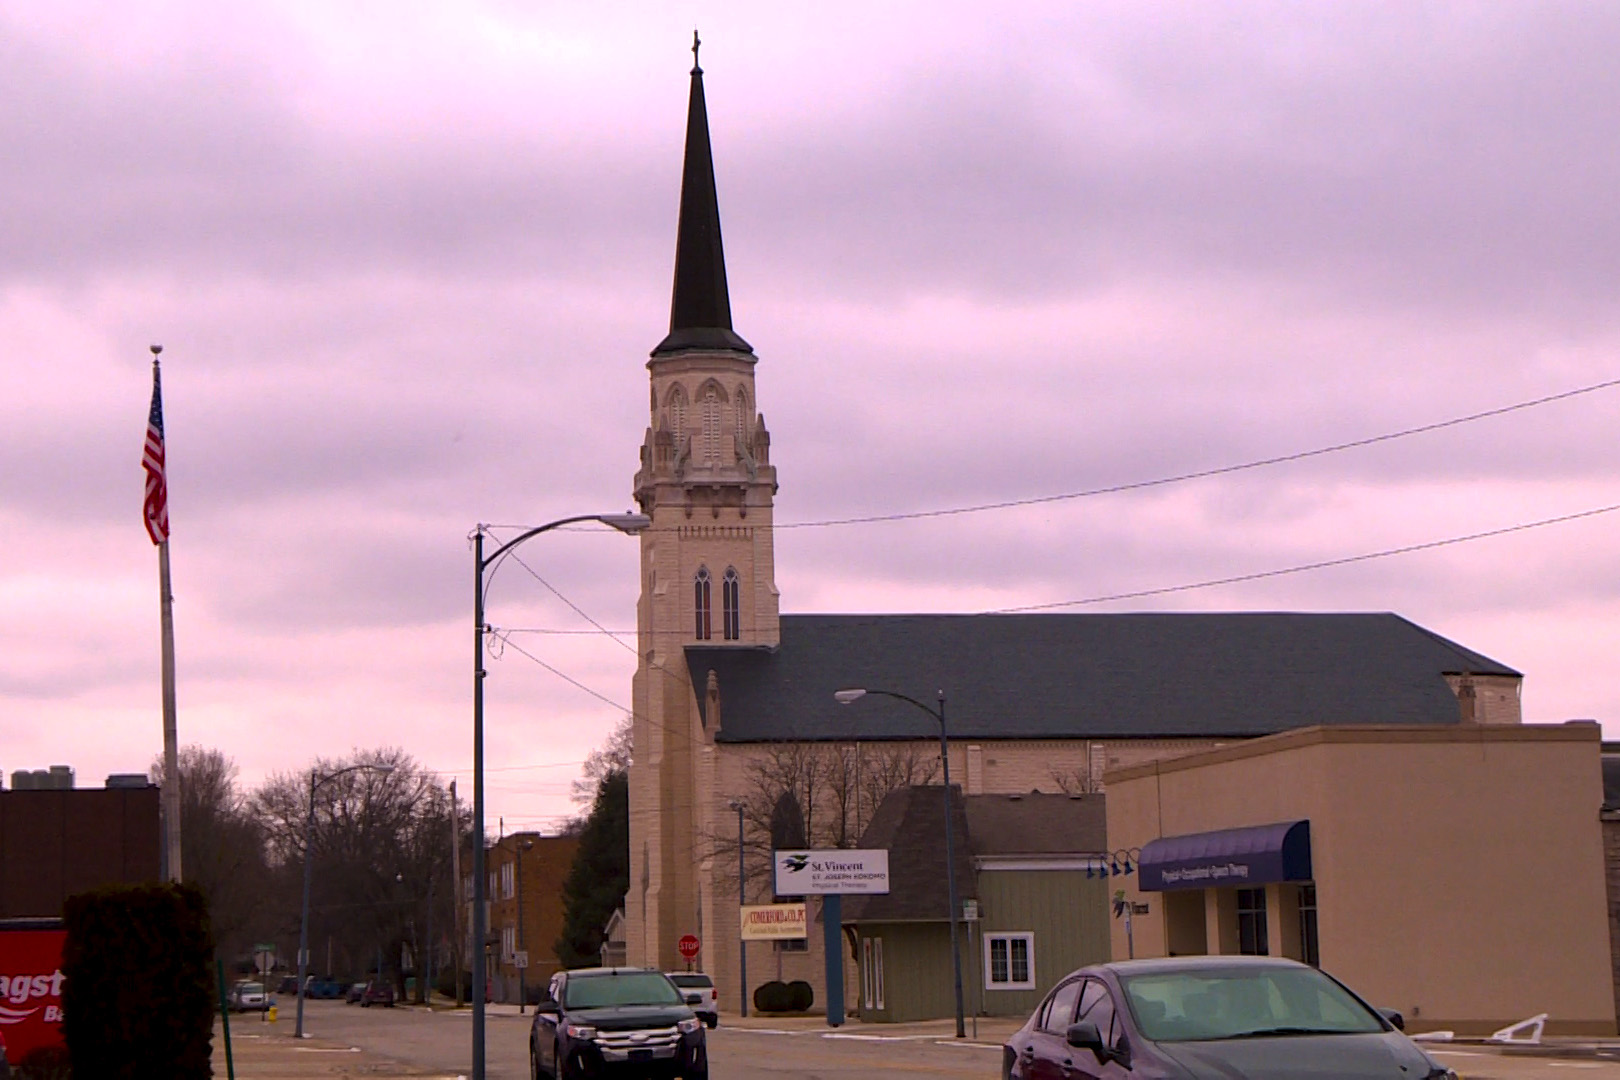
(817, 795)
(224, 846)
(380, 851)
(1076, 781)
(612, 756)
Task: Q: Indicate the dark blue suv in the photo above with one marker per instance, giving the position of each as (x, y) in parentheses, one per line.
(616, 1022)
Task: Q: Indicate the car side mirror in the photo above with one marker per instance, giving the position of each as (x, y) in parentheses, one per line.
(1085, 1036)
(1394, 1017)
(546, 1007)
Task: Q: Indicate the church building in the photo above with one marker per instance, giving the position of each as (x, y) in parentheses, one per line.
(740, 746)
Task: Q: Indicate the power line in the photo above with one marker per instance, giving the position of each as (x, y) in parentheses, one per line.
(1204, 474)
(1303, 567)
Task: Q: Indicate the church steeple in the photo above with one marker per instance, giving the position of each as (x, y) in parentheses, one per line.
(700, 310)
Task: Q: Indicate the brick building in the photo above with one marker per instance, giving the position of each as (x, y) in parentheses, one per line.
(58, 842)
(526, 874)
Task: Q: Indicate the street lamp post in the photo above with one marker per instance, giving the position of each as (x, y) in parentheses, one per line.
(625, 523)
(309, 840)
(523, 947)
(845, 697)
(742, 899)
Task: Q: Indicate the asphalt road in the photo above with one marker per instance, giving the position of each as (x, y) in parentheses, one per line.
(439, 1043)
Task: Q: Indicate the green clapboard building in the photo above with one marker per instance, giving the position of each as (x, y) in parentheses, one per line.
(1033, 869)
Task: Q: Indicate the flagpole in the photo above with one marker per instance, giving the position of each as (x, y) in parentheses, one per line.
(157, 511)
(171, 738)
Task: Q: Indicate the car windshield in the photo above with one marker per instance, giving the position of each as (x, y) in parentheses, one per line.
(630, 988)
(1238, 1003)
(251, 988)
(691, 980)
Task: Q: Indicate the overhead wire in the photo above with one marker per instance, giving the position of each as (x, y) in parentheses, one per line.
(505, 635)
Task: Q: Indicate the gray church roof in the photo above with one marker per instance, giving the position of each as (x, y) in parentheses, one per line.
(1084, 676)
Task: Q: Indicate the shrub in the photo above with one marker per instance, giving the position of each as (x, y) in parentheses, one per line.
(800, 996)
(771, 997)
(138, 997)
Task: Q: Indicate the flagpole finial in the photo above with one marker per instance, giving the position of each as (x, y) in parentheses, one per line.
(156, 350)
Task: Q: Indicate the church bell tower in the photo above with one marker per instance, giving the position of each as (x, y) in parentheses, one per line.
(707, 571)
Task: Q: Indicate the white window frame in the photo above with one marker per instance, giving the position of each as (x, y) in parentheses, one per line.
(508, 878)
(872, 973)
(1007, 937)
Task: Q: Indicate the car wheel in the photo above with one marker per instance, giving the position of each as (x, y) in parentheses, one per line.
(712, 1021)
(534, 1062)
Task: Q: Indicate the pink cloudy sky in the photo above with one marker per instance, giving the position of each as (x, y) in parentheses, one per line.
(407, 261)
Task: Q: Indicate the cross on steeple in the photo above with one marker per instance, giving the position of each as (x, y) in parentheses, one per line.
(696, 68)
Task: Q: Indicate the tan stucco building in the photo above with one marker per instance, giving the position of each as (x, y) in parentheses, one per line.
(1453, 873)
(733, 703)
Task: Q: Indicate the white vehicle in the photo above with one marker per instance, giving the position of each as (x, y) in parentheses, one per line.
(247, 997)
(700, 994)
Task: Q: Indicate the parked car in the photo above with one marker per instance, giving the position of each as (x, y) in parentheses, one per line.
(699, 991)
(356, 992)
(378, 992)
(616, 1019)
(247, 997)
(1187, 1017)
(326, 988)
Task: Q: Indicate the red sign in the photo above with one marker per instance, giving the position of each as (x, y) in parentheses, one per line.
(688, 946)
(30, 990)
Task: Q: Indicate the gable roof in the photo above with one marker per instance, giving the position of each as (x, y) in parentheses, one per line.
(909, 823)
(1084, 676)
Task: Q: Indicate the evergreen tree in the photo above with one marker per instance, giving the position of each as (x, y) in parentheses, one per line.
(600, 874)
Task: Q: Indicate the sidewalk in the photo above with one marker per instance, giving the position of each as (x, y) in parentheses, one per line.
(269, 1052)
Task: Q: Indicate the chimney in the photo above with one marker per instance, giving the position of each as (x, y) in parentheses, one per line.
(1465, 699)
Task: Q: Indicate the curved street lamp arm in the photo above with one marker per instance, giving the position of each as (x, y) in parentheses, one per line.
(625, 523)
(929, 709)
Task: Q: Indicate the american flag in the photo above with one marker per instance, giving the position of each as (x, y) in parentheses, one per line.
(157, 484)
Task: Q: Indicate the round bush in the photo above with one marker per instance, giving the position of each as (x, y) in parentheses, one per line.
(772, 997)
(800, 996)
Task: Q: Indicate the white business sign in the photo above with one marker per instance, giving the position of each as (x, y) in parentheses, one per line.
(773, 922)
(818, 873)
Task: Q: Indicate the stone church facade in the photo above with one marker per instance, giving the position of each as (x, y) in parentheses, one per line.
(733, 705)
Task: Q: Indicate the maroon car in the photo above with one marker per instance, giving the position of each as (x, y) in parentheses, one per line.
(1183, 1018)
(378, 993)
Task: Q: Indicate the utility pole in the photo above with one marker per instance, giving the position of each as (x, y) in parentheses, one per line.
(455, 893)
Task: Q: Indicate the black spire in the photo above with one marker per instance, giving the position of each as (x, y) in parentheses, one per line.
(700, 312)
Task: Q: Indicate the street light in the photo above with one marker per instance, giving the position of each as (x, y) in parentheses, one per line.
(742, 899)
(309, 841)
(523, 947)
(625, 523)
(846, 697)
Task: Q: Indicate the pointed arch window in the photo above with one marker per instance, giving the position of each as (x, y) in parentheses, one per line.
(742, 417)
(730, 604)
(700, 603)
(710, 413)
(677, 414)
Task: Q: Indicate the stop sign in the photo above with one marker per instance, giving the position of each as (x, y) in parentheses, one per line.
(688, 945)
